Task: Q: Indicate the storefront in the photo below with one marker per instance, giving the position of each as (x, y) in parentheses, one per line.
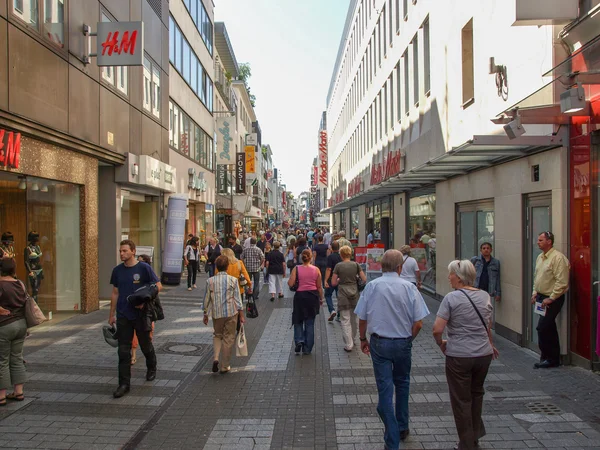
(380, 220)
(422, 234)
(48, 203)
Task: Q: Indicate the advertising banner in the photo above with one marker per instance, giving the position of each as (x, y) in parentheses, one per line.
(374, 256)
(225, 133)
(174, 240)
(360, 257)
(240, 173)
(221, 178)
(250, 159)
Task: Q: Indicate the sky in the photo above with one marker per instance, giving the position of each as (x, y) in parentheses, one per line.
(291, 46)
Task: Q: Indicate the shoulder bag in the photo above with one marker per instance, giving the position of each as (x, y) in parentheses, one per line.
(242, 279)
(294, 288)
(360, 284)
(33, 314)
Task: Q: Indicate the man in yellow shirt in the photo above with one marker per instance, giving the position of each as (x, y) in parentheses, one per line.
(551, 281)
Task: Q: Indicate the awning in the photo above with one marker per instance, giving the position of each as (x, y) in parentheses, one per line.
(476, 153)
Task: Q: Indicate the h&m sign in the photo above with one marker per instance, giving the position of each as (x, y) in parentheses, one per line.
(10, 149)
(120, 44)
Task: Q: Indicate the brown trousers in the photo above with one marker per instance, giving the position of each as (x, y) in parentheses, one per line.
(224, 338)
(466, 377)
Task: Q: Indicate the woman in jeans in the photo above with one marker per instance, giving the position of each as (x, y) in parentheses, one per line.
(320, 253)
(469, 350)
(190, 259)
(344, 277)
(13, 328)
(307, 301)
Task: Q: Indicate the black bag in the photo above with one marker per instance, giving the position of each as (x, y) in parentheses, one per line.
(144, 294)
(290, 264)
(360, 284)
(251, 309)
(156, 310)
(294, 288)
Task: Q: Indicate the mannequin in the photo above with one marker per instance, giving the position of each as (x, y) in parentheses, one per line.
(33, 263)
(7, 248)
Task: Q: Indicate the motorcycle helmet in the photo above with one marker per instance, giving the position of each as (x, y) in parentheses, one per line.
(110, 335)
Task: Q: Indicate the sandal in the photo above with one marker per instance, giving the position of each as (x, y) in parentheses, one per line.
(17, 397)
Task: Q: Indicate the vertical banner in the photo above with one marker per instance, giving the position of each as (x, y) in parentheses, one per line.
(174, 236)
(225, 133)
(240, 173)
(250, 158)
(221, 179)
(323, 168)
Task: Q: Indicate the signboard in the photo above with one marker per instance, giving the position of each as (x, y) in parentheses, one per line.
(174, 240)
(323, 170)
(374, 256)
(360, 257)
(252, 139)
(225, 132)
(391, 166)
(355, 187)
(157, 174)
(221, 179)
(120, 44)
(250, 158)
(240, 173)
(10, 149)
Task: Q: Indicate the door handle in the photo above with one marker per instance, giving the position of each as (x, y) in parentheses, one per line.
(596, 282)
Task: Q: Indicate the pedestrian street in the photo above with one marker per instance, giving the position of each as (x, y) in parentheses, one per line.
(274, 399)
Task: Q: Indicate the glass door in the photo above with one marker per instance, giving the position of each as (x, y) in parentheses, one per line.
(538, 216)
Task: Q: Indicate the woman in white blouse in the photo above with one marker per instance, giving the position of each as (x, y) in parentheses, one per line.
(410, 268)
(191, 256)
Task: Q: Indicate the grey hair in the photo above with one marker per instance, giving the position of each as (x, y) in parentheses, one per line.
(464, 270)
(342, 233)
(391, 260)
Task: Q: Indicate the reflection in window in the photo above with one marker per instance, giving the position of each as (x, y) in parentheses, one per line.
(115, 76)
(151, 87)
(54, 16)
(27, 10)
(189, 139)
(156, 91)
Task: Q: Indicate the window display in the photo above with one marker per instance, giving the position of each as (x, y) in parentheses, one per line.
(423, 240)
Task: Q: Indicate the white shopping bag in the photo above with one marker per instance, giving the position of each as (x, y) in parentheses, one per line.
(241, 346)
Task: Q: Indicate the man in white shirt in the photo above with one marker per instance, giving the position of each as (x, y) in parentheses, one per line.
(327, 237)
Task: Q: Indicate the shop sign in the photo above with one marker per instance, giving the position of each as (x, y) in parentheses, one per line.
(252, 139)
(195, 182)
(338, 197)
(222, 178)
(250, 158)
(391, 166)
(10, 149)
(323, 169)
(120, 44)
(225, 133)
(157, 174)
(355, 187)
(240, 173)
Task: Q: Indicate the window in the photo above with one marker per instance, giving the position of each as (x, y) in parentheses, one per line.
(398, 16)
(426, 57)
(468, 75)
(406, 84)
(171, 39)
(415, 56)
(54, 16)
(398, 94)
(475, 226)
(384, 35)
(391, 24)
(27, 11)
(152, 94)
(202, 22)
(405, 9)
(114, 76)
(189, 139)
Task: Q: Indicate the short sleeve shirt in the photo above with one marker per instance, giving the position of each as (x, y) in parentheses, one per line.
(127, 280)
(409, 269)
(467, 337)
(276, 260)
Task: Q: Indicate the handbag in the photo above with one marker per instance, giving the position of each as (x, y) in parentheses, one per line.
(294, 288)
(251, 309)
(241, 344)
(33, 314)
(360, 284)
(242, 279)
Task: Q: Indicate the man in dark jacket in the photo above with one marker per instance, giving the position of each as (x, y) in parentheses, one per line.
(488, 272)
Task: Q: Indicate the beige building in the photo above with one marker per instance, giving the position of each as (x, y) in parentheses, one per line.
(414, 156)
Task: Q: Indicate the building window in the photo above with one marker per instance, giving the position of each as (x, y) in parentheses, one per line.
(151, 87)
(384, 34)
(415, 57)
(475, 227)
(398, 21)
(391, 21)
(468, 74)
(114, 76)
(405, 9)
(426, 57)
(189, 139)
(27, 11)
(398, 93)
(202, 22)
(406, 83)
(51, 13)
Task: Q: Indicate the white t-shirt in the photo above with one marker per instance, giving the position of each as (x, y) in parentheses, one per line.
(409, 269)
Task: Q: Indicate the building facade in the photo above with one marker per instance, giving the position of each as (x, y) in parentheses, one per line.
(415, 158)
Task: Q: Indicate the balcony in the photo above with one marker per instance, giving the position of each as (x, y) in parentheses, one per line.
(545, 12)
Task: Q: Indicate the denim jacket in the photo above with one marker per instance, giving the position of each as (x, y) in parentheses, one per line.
(493, 274)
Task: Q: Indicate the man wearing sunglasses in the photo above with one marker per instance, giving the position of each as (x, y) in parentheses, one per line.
(551, 281)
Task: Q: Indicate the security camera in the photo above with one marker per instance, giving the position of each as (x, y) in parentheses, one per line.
(514, 129)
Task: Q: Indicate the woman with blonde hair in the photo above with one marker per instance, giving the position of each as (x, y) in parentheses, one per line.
(469, 350)
(345, 276)
(410, 268)
(236, 268)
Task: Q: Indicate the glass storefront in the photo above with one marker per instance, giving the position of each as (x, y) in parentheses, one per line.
(380, 220)
(140, 222)
(354, 222)
(43, 218)
(422, 235)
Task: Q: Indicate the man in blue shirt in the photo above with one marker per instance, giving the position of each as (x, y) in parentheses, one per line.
(391, 310)
(126, 279)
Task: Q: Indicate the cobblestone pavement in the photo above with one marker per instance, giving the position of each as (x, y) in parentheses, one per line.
(274, 399)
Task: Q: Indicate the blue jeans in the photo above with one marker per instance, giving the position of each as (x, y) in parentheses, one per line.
(391, 364)
(328, 297)
(305, 333)
(211, 269)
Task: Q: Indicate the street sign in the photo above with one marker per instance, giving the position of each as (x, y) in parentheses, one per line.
(120, 44)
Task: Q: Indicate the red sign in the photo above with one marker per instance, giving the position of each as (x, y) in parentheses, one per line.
(323, 171)
(10, 149)
(391, 166)
(339, 197)
(355, 186)
(126, 44)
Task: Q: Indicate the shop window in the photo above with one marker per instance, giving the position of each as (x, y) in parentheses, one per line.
(51, 13)
(43, 217)
(423, 241)
(426, 57)
(475, 227)
(140, 221)
(151, 87)
(114, 76)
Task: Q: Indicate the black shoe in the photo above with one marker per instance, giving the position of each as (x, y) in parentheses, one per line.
(280, 296)
(215, 367)
(272, 299)
(298, 348)
(545, 365)
(151, 375)
(404, 434)
(121, 391)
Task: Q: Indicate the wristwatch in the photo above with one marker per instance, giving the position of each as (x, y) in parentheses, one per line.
(362, 339)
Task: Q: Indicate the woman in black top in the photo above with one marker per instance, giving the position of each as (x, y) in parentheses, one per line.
(300, 247)
(320, 252)
(275, 263)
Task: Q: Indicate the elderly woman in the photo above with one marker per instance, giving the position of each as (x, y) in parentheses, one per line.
(410, 268)
(223, 303)
(307, 301)
(469, 350)
(345, 277)
(13, 328)
(236, 268)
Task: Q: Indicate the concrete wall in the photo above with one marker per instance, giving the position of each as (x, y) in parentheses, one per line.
(400, 220)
